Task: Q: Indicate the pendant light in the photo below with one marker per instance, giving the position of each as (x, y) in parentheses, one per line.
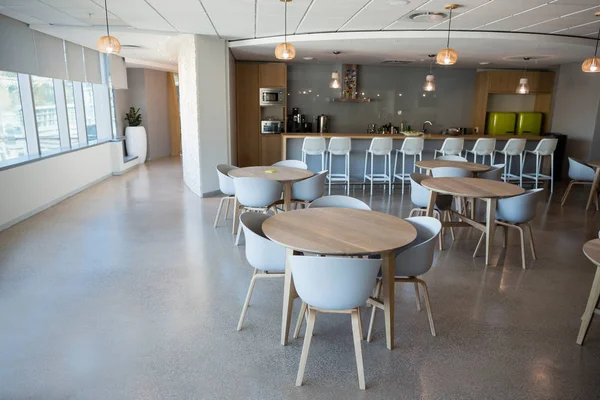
(285, 51)
(448, 56)
(593, 64)
(429, 85)
(523, 87)
(335, 83)
(108, 44)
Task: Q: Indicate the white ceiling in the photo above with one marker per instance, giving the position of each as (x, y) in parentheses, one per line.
(152, 24)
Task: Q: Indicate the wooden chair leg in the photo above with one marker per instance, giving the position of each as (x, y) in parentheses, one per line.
(219, 211)
(428, 307)
(505, 242)
(247, 302)
(531, 242)
(357, 348)
(449, 219)
(479, 244)
(360, 324)
(301, 316)
(522, 235)
(374, 309)
(227, 205)
(310, 324)
(417, 296)
(590, 308)
(239, 233)
(564, 198)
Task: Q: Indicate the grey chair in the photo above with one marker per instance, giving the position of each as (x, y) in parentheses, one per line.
(493, 174)
(308, 190)
(580, 174)
(226, 187)
(516, 212)
(451, 172)
(266, 257)
(452, 158)
(411, 262)
(291, 164)
(256, 194)
(338, 201)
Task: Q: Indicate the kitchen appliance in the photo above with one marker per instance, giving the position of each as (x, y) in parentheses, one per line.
(372, 128)
(529, 123)
(270, 97)
(454, 131)
(271, 127)
(322, 122)
(501, 123)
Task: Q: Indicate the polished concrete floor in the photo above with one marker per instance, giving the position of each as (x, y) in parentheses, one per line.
(125, 291)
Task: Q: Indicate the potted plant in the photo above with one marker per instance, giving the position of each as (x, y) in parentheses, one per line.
(135, 135)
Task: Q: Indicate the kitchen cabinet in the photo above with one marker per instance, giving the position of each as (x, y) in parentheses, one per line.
(272, 75)
(507, 81)
(270, 149)
(247, 114)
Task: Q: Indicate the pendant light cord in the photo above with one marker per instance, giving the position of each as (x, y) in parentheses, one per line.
(106, 13)
(449, 25)
(597, 41)
(284, 23)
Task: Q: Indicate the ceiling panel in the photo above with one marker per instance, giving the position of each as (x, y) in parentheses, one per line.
(269, 21)
(330, 15)
(42, 12)
(566, 22)
(139, 14)
(185, 15)
(535, 16)
(85, 11)
(379, 14)
(232, 21)
(18, 16)
(492, 11)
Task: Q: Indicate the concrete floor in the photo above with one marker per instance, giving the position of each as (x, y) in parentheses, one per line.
(126, 291)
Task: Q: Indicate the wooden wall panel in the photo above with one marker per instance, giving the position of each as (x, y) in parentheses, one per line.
(248, 114)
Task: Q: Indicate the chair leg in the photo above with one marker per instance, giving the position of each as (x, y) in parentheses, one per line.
(564, 198)
(360, 324)
(521, 165)
(505, 241)
(403, 171)
(522, 233)
(300, 319)
(449, 219)
(531, 242)
(357, 348)
(417, 296)
(306, 346)
(330, 157)
(365, 174)
(378, 288)
(223, 199)
(348, 174)
(239, 233)
(229, 199)
(389, 160)
(479, 244)
(428, 307)
(247, 302)
(372, 157)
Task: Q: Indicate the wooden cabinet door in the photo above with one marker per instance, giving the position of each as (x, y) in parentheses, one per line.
(545, 82)
(270, 151)
(248, 114)
(504, 81)
(272, 75)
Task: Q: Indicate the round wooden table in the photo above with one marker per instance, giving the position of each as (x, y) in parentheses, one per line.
(594, 190)
(341, 232)
(473, 167)
(484, 189)
(592, 251)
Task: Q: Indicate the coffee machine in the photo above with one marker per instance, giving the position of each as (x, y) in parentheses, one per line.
(297, 122)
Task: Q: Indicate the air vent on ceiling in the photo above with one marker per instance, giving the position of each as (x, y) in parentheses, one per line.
(531, 58)
(397, 62)
(428, 16)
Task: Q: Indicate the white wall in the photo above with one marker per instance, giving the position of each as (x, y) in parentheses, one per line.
(232, 112)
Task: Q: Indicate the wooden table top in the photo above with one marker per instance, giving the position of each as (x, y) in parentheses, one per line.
(339, 231)
(592, 251)
(281, 174)
(472, 187)
(473, 167)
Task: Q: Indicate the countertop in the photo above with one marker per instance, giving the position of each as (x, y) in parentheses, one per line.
(428, 136)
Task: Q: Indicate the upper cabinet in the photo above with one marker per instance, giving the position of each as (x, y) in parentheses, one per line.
(507, 81)
(272, 75)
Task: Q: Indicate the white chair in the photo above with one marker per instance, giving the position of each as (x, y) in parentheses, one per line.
(512, 148)
(255, 194)
(334, 285)
(451, 172)
(452, 158)
(314, 146)
(291, 164)
(451, 147)
(380, 147)
(516, 212)
(226, 187)
(580, 174)
(410, 147)
(339, 146)
(267, 257)
(339, 202)
(306, 191)
(411, 262)
(544, 148)
(483, 148)
(493, 174)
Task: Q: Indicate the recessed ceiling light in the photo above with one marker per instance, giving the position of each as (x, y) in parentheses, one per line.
(428, 16)
(484, 63)
(398, 2)
(308, 58)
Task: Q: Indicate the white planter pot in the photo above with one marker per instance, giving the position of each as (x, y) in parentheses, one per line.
(136, 142)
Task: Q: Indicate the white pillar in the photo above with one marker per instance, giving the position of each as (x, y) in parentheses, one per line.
(205, 110)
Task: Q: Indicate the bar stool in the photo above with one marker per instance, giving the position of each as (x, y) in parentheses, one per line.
(482, 147)
(380, 147)
(339, 146)
(513, 147)
(314, 146)
(451, 147)
(544, 148)
(410, 147)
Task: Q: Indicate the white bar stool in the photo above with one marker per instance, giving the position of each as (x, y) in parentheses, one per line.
(482, 147)
(513, 147)
(339, 146)
(451, 147)
(410, 147)
(314, 146)
(380, 147)
(544, 148)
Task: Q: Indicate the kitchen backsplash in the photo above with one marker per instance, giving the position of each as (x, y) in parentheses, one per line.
(396, 95)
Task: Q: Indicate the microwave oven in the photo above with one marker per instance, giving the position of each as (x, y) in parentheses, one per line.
(272, 97)
(271, 127)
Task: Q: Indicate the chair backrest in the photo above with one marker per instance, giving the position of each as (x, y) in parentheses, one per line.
(291, 164)
(419, 195)
(412, 146)
(452, 158)
(225, 181)
(334, 283)
(452, 146)
(493, 174)
(519, 209)
(338, 201)
(484, 146)
(546, 147)
(514, 147)
(314, 145)
(580, 171)
(261, 253)
(451, 172)
(311, 188)
(416, 258)
(381, 146)
(340, 145)
(257, 192)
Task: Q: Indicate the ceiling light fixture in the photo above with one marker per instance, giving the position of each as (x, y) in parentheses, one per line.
(448, 56)
(429, 85)
(593, 64)
(335, 83)
(285, 51)
(523, 87)
(108, 44)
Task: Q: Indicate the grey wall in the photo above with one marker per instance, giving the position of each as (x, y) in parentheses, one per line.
(399, 89)
(122, 107)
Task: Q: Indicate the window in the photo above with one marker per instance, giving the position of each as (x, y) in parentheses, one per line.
(71, 113)
(45, 114)
(12, 129)
(90, 114)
